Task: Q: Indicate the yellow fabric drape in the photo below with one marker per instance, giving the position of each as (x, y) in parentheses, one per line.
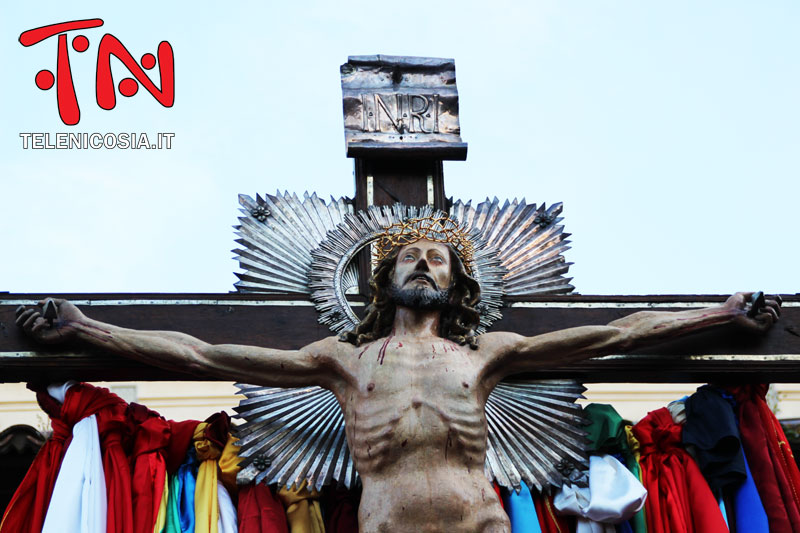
(206, 505)
(633, 444)
(161, 518)
(229, 465)
(303, 511)
(213, 463)
(640, 520)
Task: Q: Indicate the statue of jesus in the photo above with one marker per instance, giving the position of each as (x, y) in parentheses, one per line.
(412, 379)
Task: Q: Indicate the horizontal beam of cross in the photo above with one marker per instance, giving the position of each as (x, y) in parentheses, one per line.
(290, 322)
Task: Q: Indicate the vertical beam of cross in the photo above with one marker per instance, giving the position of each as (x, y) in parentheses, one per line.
(401, 123)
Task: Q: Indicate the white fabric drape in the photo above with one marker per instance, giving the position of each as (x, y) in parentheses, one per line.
(226, 523)
(613, 496)
(79, 496)
(59, 391)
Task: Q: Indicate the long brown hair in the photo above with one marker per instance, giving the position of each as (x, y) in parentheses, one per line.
(458, 320)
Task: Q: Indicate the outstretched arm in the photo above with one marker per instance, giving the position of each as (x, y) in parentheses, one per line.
(314, 364)
(512, 354)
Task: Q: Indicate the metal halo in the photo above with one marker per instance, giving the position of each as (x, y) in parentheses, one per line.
(520, 252)
(534, 429)
(334, 255)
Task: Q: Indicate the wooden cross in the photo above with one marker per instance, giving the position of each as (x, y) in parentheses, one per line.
(401, 122)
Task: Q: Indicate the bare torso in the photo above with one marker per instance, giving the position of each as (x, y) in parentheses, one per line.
(414, 412)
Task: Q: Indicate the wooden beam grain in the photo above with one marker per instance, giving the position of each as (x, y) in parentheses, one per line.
(291, 322)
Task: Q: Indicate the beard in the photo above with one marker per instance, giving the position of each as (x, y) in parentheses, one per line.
(420, 298)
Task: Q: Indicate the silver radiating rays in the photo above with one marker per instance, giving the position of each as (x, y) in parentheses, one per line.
(291, 435)
(307, 246)
(277, 235)
(535, 433)
(295, 435)
(527, 240)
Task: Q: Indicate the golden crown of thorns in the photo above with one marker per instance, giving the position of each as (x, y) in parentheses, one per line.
(432, 228)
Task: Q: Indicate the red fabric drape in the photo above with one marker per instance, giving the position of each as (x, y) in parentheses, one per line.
(26, 510)
(28, 506)
(341, 511)
(149, 470)
(260, 511)
(549, 521)
(497, 491)
(157, 445)
(771, 461)
(180, 439)
(678, 497)
(114, 431)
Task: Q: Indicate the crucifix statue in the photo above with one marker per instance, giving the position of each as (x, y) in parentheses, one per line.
(414, 377)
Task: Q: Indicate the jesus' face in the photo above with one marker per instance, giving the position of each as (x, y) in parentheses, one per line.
(422, 275)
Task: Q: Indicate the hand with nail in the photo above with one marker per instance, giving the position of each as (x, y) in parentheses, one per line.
(754, 311)
(51, 321)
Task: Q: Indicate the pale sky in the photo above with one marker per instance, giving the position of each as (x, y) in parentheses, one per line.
(668, 129)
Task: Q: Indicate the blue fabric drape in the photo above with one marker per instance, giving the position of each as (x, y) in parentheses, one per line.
(182, 488)
(521, 511)
(750, 513)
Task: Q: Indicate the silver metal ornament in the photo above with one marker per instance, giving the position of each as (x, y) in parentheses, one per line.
(307, 246)
(338, 250)
(530, 250)
(535, 435)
